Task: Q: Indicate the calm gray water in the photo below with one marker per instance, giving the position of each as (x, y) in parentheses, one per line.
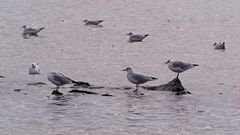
(98, 55)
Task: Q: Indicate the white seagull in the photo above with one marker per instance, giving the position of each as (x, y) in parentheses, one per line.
(95, 22)
(179, 66)
(136, 37)
(59, 80)
(34, 69)
(219, 45)
(137, 78)
(30, 31)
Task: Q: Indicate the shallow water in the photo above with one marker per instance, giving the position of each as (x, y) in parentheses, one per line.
(182, 30)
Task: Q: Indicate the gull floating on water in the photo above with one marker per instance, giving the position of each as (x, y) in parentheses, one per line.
(136, 37)
(30, 31)
(219, 45)
(34, 69)
(95, 22)
(179, 66)
(137, 78)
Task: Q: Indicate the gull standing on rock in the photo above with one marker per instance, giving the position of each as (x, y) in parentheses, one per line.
(137, 78)
(59, 80)
(30, 31)
(34, 69)
(179, 66)
(96, 22)
(136, 37)
(219, 45)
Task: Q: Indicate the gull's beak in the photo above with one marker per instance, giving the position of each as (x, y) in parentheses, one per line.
(167, 62)
(124, 70)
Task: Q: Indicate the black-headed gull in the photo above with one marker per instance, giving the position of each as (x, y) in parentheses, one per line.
(179, 66)
(136, 37)
(137, 78)
(30, 31)
(34, 69)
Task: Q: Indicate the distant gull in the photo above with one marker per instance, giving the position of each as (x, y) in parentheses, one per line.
(34, 69)
(179, 66)
(95, 22)
(136, 37)
(30, 31)
(137, 78)
(59, 79)
(219, 45)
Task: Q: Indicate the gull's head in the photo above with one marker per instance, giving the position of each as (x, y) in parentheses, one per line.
(168, 61)
(24, 26)
(34, 65)
(127, 69)
(130, 33)
(85, 20)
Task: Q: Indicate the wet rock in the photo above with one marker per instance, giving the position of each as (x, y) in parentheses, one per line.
(57, 93)
(82, 91)
(36, 83)
(107, 95)
(82, 84)
(174, 85)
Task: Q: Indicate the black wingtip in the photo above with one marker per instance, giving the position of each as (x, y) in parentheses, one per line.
(154, 78)
(195, 65)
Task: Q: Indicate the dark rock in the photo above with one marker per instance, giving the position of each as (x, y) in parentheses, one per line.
(107, 95)
(57, 93)
(82, 91)
(17, 90)
(36, 83)
(175, 86)
(83, 84)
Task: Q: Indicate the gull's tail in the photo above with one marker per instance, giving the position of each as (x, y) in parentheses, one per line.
(146, 35)
(40, 29)
(153, 78)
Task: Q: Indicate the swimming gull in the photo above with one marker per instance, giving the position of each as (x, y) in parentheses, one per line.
(34, 69)
(30, 31)
(136, 37)
(179, 66)
(59, 80)
(219, 45)
(137, 78)
(95, 22)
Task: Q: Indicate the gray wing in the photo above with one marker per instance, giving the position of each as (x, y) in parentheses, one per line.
(137, 37)
(181, 64)
(141, 78)
(62, 79)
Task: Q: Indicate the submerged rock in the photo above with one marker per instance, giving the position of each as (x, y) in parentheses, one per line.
(82, 91)
(17, 90)
(174, 85)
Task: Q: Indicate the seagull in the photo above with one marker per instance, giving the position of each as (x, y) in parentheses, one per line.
(96, 22)
(179, 66)
(219, 45)
(136, 37)
(30, 31)
(137, 78)
(34, 69)
(60, 79)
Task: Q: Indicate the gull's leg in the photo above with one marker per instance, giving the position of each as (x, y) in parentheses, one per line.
(137, 87)
(56, 92)
(177, 75)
